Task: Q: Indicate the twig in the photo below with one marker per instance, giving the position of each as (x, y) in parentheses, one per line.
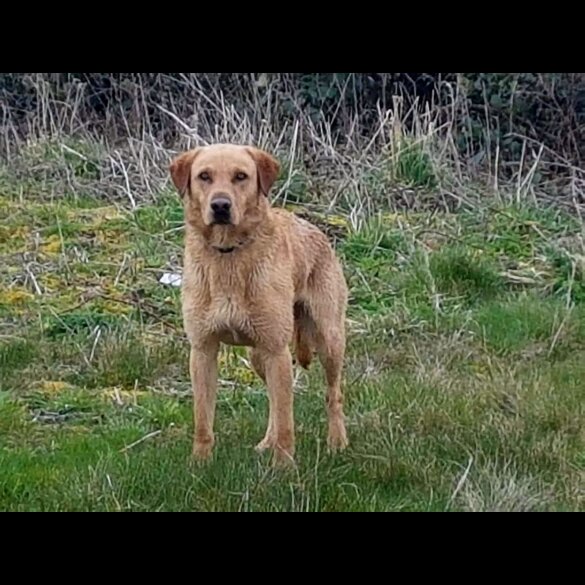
(145, 438)
(78, 306)
(559, 331)
(142, 308)
(461, 482)
(33, 279)
(97, 338)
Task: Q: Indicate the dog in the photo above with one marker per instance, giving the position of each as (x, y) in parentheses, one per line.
(258, 276)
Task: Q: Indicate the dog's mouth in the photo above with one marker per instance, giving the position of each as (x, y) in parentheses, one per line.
(213, 219)
(221, 220)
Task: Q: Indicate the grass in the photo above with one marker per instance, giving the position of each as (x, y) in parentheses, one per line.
(463, 379)
(464, 372)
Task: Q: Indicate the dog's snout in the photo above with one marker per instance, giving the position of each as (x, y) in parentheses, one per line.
(221, 205)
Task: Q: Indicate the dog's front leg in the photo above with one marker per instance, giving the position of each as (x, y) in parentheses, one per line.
(203, 368)
(279, 382)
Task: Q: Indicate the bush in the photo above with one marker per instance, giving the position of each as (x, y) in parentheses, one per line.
(493, 109)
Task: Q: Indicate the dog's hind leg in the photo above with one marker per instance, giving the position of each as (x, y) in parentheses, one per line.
(330, 338)
(304, 335)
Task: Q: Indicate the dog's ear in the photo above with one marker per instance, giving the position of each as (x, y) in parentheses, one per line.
(268, 169)
(180, 169)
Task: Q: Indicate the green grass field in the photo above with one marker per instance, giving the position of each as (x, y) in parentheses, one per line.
(465, 375)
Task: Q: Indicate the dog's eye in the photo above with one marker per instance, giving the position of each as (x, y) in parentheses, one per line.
(204, 176)
(241, 176)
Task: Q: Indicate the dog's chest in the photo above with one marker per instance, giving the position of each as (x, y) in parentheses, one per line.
(240, 304)
(230, 318)
(228, 308)
(223, 299)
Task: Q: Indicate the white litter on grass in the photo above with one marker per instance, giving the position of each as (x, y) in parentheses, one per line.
(170, 278)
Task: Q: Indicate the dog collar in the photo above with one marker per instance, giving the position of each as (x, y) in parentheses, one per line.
(240, 245)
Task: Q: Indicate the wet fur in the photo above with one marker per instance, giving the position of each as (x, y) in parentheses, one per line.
(278, 284)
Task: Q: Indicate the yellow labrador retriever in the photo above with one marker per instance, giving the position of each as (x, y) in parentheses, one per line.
(261, 277)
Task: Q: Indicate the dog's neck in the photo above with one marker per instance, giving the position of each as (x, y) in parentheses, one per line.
(227, 248)
(227, 240)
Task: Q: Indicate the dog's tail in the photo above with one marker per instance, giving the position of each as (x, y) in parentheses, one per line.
(304, 335)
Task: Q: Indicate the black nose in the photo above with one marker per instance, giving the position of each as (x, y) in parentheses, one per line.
(221, 206)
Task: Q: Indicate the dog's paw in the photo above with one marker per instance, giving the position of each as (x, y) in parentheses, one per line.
(268, 442)
(202, 451)
(283, 459)
(337, 439)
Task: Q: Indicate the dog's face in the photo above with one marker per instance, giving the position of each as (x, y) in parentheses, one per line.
(223, 183)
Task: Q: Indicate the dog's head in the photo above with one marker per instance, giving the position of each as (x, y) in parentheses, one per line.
(224, 183)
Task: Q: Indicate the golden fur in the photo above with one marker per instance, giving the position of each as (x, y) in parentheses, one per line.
(266, 279)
